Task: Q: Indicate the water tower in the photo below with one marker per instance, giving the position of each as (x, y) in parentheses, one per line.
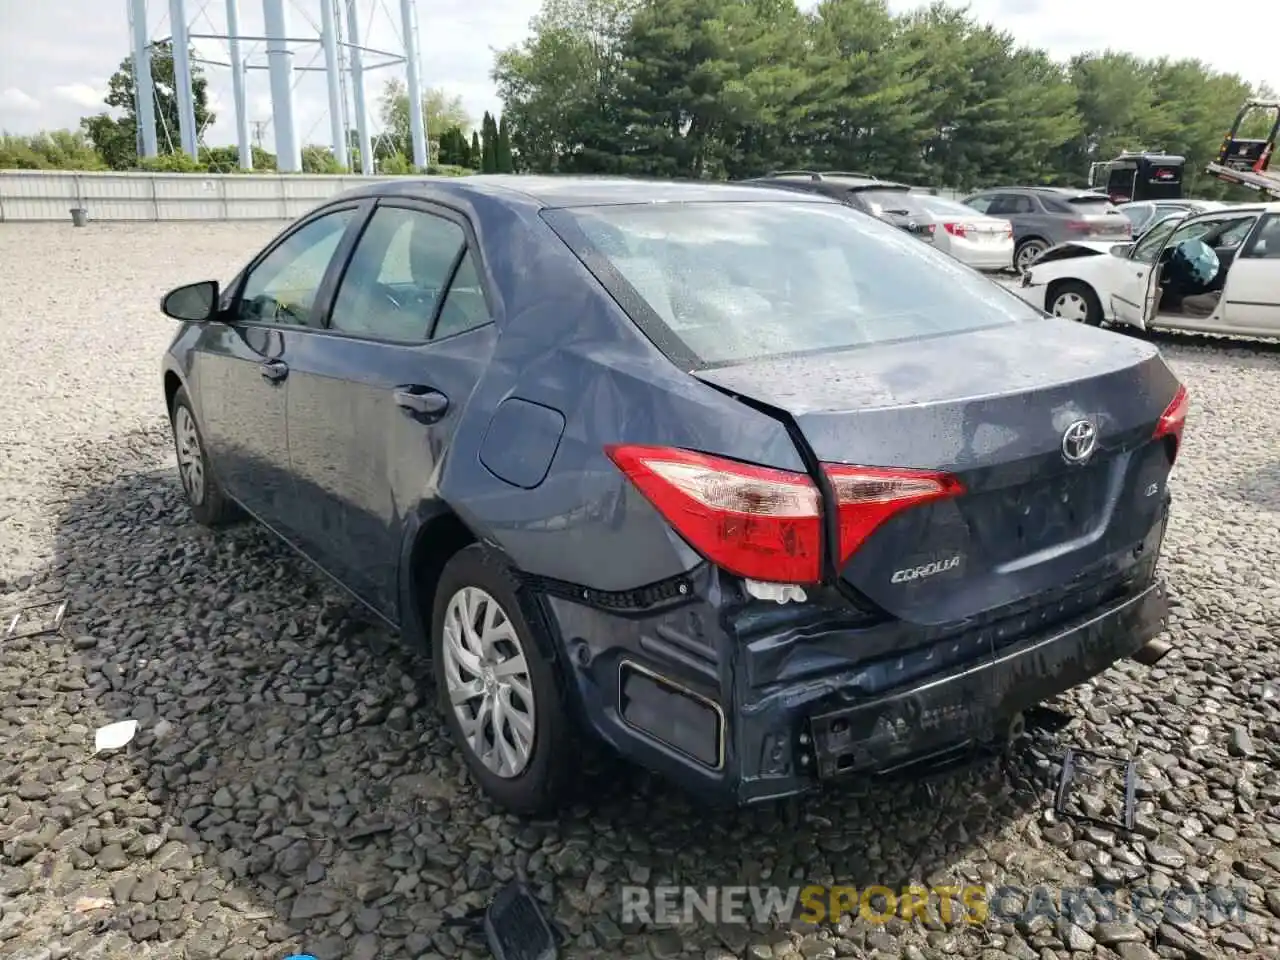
(333, 28)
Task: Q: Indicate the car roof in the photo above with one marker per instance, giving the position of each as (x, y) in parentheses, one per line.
(548, 192)
(1240, 207)
(845, 181)
(1058, 191)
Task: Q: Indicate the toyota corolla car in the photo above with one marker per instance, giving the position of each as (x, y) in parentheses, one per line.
(754, 488)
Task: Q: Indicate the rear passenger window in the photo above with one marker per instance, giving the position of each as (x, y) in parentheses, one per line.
(1002, 204)
(397, 275)
(464, 305)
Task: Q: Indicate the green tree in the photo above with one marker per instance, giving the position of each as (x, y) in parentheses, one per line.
(49, 150)
(489, 144)
(504, 160)
(560, 88)
(441, 111)
(116, 138)
(318, 159)
(455, 150)
(869, 92)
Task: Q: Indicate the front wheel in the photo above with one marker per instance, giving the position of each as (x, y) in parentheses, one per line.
(1073, 300)
(502, 701)
(1026, 253)
(209, 505)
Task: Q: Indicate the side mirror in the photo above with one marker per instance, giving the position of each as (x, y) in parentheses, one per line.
(1121, 249)
(193, 303)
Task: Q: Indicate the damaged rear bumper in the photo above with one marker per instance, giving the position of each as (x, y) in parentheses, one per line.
(975, 702)
(713, 692)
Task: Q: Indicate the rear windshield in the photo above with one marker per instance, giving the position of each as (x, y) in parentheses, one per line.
(946, 208)
(1084, 204)
(1092, 204)
(893, 201)
(728, 282)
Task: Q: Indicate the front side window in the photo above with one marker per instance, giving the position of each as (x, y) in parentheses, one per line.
(734, 281)
(282, 287)
(397, 275)
(1148, 248)
(1215, 231)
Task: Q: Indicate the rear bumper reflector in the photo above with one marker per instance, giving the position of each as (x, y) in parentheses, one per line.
(672, 715)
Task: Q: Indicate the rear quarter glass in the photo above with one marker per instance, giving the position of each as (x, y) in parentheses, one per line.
(715, 283)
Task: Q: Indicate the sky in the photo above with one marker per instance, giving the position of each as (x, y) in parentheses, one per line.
(56, 57)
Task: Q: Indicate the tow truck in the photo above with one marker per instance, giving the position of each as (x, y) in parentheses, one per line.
(1245, 161)
(1138, 175)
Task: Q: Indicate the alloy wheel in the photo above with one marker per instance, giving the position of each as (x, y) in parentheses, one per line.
(1026, 253)
(190, 456)
(487, 679)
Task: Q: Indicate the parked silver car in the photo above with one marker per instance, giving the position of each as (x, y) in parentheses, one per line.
(1144, 214)
(981, 242)
(1043, 217)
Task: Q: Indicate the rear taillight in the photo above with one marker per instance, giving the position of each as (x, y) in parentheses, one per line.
(1173, 420)
(956, 229)
(766, 524)
(756, 522)
(868, 496)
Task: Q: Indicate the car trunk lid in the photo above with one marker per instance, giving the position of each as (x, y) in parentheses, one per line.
(1098, 217)
(991, 407)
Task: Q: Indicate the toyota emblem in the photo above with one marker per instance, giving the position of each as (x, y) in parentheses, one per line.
(1079, 441)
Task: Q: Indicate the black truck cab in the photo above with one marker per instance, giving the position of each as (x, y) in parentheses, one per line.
(1139, 176)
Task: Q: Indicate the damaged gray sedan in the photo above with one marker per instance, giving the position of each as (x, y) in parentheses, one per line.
(754, 488)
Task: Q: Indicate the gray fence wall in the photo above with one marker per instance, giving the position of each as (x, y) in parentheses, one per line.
(33, 195)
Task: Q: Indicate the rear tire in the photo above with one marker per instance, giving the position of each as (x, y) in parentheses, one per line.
(488, 657)
(1074, 300)
(1025, 252)
(210, 507)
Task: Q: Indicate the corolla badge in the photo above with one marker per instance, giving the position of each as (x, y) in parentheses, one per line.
(1079, 441)
(908, 574)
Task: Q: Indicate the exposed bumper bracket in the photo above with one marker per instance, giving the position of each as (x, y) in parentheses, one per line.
(1070, 776)
(13, 632)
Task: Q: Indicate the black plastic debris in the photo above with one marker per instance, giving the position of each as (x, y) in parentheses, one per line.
(1076, 766)
(33, 623)
(514, 924)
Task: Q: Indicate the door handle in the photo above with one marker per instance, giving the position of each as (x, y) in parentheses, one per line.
(422, 403)
(274, 370)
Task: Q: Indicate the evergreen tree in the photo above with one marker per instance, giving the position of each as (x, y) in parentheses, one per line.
(489, 138)
(504, 164)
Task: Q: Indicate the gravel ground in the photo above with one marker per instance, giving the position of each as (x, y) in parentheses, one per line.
(289, 790)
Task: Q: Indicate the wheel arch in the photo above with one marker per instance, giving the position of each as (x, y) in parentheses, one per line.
(434, 536)
(1051, 288)
(172, 384)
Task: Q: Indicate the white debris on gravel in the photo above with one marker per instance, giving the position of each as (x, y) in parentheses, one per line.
(289, 790)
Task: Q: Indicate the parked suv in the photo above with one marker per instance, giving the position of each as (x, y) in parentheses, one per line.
(1043, 217)
(892, 202)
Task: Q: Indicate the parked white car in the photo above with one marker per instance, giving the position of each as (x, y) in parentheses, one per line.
(973, 238)
(1132, 283)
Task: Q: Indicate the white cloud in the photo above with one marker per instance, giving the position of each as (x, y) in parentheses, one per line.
(80, 94)
(18, 101)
